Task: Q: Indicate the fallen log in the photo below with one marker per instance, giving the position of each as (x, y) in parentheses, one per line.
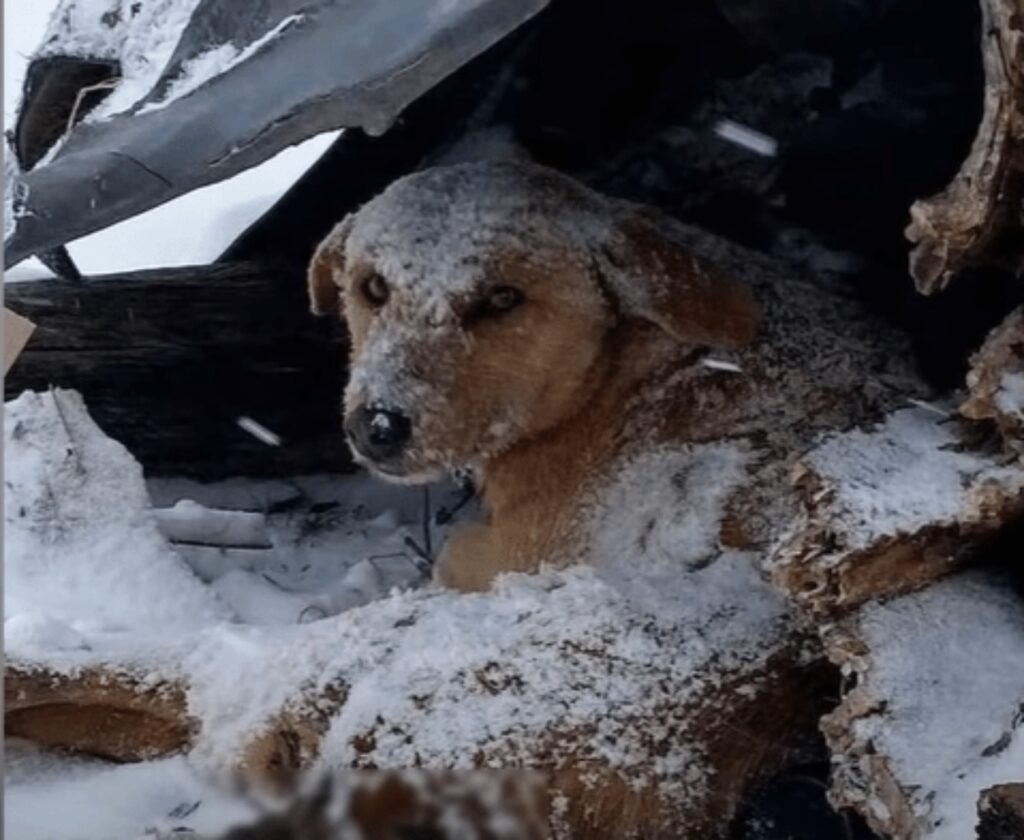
(122, 714)
(170, 359)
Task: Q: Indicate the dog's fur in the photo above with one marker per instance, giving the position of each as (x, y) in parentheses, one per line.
(601, 357)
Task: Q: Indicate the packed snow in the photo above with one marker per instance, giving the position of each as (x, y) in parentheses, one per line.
(74, 499)
(81, 799)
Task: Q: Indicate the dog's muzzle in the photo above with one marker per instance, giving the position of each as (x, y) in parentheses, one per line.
(377, 434)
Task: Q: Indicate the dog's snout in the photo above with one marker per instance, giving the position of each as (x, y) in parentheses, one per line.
(378, 434)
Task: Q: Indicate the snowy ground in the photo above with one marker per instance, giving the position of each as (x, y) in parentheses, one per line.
(91, 580)
(190, 230)
(333, 543)
(88, 571)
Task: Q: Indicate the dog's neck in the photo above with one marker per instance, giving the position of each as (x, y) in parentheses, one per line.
(558, 462)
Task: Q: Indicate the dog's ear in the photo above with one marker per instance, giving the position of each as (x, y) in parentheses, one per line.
(326, 268)
(658, 280)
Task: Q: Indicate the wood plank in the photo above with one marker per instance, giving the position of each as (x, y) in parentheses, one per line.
(169, 359)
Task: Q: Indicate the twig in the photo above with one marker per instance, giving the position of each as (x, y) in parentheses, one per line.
(426, 522)
(108, 84)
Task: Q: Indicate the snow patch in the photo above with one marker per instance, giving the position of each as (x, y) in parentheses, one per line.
(902, 476)
(51, 798)
(83, 553)
(1010, 396)
(199, 70)
(609, 659)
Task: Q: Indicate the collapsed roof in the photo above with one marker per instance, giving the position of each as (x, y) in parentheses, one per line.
(130, 104)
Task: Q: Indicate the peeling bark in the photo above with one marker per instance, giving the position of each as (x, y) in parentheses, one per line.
(872, 522)
(978, 218)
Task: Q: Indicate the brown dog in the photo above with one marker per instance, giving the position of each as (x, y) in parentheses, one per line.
(508, 321)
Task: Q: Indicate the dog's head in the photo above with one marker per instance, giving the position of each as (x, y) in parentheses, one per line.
(479, 298)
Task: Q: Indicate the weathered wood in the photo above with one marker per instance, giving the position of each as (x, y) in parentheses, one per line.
(872, 523)
(977, 219)
(1001, 812)
(169, 359)
(117, 713)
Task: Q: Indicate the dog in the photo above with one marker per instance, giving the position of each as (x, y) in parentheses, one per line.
(507, 321)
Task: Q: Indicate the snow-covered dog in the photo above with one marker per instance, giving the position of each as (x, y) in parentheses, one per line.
(503, 320)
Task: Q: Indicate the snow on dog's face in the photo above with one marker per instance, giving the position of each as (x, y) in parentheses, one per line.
(478, 298)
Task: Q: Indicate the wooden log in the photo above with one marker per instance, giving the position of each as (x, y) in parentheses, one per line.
(122, 713)
(168, 360)
(891, 510)
(977, 218)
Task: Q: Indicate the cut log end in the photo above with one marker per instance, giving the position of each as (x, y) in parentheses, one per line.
(110, 713)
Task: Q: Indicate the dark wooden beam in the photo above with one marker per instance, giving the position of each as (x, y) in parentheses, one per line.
(169, 359)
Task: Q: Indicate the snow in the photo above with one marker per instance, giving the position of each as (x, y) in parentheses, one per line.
(721, 364)
(79, 799)
(427, 231)
(201, 69)
(259, 431)
(192, 229)
(1010, 396)
(747, 138)
(190, 522)
(903, 475)
(74, 499)
(140, 34)
(947, 673)
(629, 645)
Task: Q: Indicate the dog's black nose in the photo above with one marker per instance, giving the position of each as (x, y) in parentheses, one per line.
(378, 434)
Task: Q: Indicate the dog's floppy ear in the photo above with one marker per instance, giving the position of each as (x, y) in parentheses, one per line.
(325, 269)
(658, 280)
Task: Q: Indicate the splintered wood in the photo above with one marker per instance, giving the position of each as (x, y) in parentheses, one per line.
(979, 217)
(891, 509)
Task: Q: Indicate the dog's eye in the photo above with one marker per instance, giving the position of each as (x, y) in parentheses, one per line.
(501, 299)
(375, 290)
